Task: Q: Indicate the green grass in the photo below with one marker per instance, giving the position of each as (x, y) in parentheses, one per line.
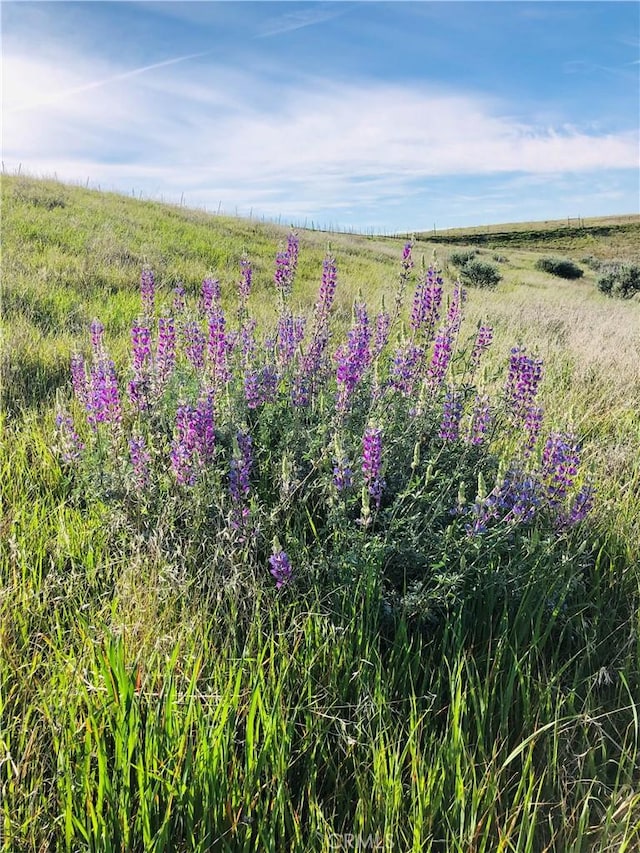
(137, 713)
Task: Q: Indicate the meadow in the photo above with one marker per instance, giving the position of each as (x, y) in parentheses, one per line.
(364, 580)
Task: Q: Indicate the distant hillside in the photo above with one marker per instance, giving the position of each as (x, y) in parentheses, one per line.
(602, 235)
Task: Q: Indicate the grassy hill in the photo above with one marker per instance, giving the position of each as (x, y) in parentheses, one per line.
(157, 693)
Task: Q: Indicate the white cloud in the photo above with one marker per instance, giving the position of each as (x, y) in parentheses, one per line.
(224, 135)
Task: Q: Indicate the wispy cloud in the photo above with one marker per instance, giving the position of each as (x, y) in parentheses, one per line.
(318, 13)
(106, 81)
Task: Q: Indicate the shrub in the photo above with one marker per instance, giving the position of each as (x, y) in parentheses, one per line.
(561, 267)
(622, 280)
(462, 256)
(284, 459)
(479, 273)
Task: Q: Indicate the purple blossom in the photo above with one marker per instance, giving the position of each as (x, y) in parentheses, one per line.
(194, 344)
(218, 347)
(451, 414)
(103, 403)
(353, 358)
(532, 425)
(383, 325)
(286, 265)
(342, 475)
(70, 447)
(523, 379)
(290, 335)
(372, 462)
(281, 568)
(581, 506)
(166, 349)
(405, 368)
(454, 314)
(79, 379)
(185, 445)
(178, 299)
(560, 463)
(209, 296)
(407, 260)
(482, 343)
(205, 428)
(140, 460)
(147, 291)
(480, 420)
(97, 338)
(140, 347)
(442, 351)
(241, 467)
(327, 288)
(426, 301)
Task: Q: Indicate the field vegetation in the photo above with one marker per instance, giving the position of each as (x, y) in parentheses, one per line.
(368, 579)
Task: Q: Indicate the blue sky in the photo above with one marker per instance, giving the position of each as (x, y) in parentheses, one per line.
(391, 116)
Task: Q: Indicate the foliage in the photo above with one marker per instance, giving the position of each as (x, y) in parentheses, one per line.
(621, 280)
(479, 273)
(461, 257)
(561, 267)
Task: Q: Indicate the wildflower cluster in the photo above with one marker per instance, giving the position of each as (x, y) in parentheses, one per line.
(287, 429)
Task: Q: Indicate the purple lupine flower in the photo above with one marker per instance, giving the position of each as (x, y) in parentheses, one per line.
(442, 351)
(218, 347)
(327, 290)
(372, 462)
(532, 426)
(354, 358)
(286, 265)
(209, 296)
(293, 248)
(454, 314)
(178, 299)
(194, 344)
(383, 325)
(184, 445)
(407, 260)
(405, 368)
(451, 414)
(281, 568)
(103, 404)
(140, 347)
(523, 379)
(290, 335)
(247, 340)
(519, 495)
(252, 388)
(342, 475)
(560, 463)
(79, 378)
(480, 420)
(205, 428)
(139, 384)
(70, 447)
(97, 338)
(268, 383)
(246, 275)
(147, 291)
(140, 460)
(482, 343)
(581, 506)
(426, 300)
(166, 349)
